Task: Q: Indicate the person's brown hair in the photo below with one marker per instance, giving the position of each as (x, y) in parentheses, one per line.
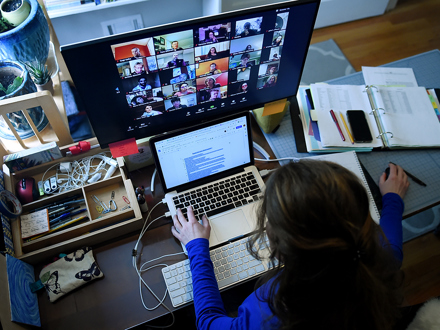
(330, 269)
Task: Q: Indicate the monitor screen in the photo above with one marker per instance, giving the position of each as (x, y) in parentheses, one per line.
(150, 81)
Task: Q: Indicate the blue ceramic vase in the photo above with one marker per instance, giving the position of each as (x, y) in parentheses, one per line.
(17, 119)
(29, 40)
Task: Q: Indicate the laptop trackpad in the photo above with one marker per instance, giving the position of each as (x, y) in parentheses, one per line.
(230, 225)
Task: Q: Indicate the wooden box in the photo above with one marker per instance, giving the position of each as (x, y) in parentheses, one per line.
(97, 229)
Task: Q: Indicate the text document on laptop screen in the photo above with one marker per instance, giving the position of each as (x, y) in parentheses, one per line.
(204, 152)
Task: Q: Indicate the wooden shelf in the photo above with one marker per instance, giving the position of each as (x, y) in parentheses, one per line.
(89, 7)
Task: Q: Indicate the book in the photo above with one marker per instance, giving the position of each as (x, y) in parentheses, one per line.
(351, 162)
(398, 117)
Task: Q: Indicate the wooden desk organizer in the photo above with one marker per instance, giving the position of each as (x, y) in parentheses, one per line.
(96, 229)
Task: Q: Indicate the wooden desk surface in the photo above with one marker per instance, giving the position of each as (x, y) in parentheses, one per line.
(113, 302)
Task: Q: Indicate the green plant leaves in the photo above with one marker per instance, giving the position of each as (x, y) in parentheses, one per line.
(12, 87)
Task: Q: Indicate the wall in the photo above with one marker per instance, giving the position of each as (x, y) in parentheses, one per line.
(85, 26)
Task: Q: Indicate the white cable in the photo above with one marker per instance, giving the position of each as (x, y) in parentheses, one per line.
(261, 150)
(152, 180)
(295, 159)
(141, 269)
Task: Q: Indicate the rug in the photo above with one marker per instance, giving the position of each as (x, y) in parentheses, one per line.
(326, 61)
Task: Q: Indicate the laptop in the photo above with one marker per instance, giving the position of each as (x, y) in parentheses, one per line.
(211, 167)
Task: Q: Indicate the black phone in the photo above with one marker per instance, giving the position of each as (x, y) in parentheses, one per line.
(359, 126)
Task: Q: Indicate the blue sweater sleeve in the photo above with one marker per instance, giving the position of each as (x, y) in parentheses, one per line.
(391, 223)
(210, 312)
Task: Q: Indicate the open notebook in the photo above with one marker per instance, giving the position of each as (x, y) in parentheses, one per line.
(399, 117)
(350, 161)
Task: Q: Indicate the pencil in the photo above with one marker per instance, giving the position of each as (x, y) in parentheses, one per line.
(346, 127)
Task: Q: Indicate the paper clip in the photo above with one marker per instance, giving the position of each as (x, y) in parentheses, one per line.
(100, 204)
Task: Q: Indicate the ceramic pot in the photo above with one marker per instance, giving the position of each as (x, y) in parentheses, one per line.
(18, 121)
(15, 11)
(29, 40)
(46, 87)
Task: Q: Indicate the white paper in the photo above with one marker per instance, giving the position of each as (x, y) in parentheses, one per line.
(385, 76)
(341, 98)
(34, 223)
(409, 116)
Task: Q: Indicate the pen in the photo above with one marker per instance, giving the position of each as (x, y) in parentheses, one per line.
(60, 226)
(415, 179)
(337, 124)
(346, 127)
(65, 215)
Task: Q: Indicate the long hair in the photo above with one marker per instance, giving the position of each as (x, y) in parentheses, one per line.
(330, 270)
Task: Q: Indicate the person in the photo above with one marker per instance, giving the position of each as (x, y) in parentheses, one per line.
(275, 57)
(247, 30)
(270, 82)
(175, 45)
(136, 52)
(243, 87)
(249, 48)
(176, 104)
(244, 61)
(138, 68)
(142, 85)
(211, 83)
(278, 40)
(184, 89)
(272, 70)
(212, 54)
(213, 69)
(175, 62)
(211, 37)
(137, 100)
(214, 94)
(333, 266)
(149, 112)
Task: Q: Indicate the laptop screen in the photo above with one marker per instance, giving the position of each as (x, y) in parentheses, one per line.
(203, 151)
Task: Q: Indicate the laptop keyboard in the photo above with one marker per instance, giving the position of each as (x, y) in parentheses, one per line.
(232, 264)
(220, 196)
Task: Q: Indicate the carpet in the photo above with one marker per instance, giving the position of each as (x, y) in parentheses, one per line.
(326, 61)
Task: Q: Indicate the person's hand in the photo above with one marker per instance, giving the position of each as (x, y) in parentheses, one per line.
(397, 181)
(186, 231)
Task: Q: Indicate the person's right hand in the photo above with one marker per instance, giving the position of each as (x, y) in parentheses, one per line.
(397, 181)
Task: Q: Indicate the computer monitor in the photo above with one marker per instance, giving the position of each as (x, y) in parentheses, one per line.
(155, 80)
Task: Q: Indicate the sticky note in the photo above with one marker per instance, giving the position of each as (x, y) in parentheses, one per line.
(274, 107)
(124, 148)
(34, 223)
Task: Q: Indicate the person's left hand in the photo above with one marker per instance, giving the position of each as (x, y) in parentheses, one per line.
(186, 231)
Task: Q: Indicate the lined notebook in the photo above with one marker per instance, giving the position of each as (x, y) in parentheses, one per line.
(350, 161)
(399, 117)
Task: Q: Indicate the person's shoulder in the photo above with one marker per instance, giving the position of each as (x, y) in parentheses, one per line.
(183, 106)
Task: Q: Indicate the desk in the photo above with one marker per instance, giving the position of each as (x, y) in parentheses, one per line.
(114, 302)
(423, 163)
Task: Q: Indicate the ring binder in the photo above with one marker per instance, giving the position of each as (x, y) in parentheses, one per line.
(403, 116)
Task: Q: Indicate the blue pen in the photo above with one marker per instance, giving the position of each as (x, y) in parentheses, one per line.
(65, 215)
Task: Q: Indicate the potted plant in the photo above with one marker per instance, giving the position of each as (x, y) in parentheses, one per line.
(15, 81)
(28, 40)
(41, 75)
(15, 12)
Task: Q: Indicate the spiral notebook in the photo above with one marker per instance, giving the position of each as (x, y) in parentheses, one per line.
(399, 117)
(350, 161)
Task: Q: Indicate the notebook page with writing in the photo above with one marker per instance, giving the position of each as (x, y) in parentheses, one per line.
(351, 162)
(341, 98)
(409, 116)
